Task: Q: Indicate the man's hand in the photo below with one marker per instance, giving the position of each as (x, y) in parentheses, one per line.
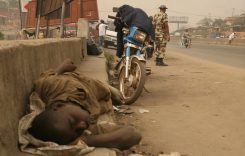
(116, 96)
(122, 139)
(66, 66)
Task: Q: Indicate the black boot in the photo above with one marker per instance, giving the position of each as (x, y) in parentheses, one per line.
(157, 61)
(161, 63)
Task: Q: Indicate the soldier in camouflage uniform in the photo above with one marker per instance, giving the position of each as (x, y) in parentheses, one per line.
(160, 22)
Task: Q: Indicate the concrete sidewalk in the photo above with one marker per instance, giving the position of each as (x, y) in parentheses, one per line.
(94, 67)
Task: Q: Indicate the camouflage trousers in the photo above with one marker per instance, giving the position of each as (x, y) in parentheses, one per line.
(160, 49)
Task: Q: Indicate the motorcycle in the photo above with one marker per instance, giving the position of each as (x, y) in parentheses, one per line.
(187, 42)
(131, 69)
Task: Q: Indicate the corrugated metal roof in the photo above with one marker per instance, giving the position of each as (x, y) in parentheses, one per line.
(49, 6)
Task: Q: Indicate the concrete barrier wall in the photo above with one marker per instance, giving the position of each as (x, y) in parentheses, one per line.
(236, 41)
(21, 63)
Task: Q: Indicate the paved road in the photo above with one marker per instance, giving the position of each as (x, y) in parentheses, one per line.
(224, 54)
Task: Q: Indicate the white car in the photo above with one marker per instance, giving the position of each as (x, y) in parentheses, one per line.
(110, 38)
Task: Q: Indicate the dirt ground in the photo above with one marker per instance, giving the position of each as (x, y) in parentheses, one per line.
(195, 108)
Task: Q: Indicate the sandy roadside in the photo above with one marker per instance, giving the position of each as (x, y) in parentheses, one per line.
(195, 108)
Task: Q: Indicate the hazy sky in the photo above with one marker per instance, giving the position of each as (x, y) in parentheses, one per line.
(195, 9)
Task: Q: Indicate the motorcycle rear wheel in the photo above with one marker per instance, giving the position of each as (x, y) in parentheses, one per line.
(132, 87)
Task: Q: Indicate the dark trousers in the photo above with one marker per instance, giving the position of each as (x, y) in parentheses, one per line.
(120, 44)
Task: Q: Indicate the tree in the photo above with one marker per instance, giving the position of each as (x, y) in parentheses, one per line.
(219, 23)
(205, 22)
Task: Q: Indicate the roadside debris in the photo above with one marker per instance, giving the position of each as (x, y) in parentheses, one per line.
(135, 155)
(171, 154)
(143, 111)
(218, 82)
(123, 109)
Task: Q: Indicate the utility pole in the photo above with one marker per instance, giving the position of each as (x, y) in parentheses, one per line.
(62, 19)
(232, 15)
(20, 10)
(47, 25)
(233, 10)
(39, 4)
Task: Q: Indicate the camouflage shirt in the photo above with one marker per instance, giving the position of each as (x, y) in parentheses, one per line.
(159, 21)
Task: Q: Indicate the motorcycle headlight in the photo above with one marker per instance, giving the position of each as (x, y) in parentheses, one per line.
(140, 36)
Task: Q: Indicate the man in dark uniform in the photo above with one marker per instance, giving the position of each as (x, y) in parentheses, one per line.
(131, 16)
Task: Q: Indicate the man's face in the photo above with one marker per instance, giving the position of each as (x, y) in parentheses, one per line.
(63, 124)
(163, 9)
(72, 121)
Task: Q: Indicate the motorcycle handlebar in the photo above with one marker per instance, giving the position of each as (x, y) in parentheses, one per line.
(113, 17)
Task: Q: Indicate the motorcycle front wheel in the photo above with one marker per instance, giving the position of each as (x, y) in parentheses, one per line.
(132, 86)
(186, 45)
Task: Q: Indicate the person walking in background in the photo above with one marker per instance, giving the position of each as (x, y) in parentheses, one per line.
(186, 38)
(160, 21)
(102, 31)
(231, 37)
